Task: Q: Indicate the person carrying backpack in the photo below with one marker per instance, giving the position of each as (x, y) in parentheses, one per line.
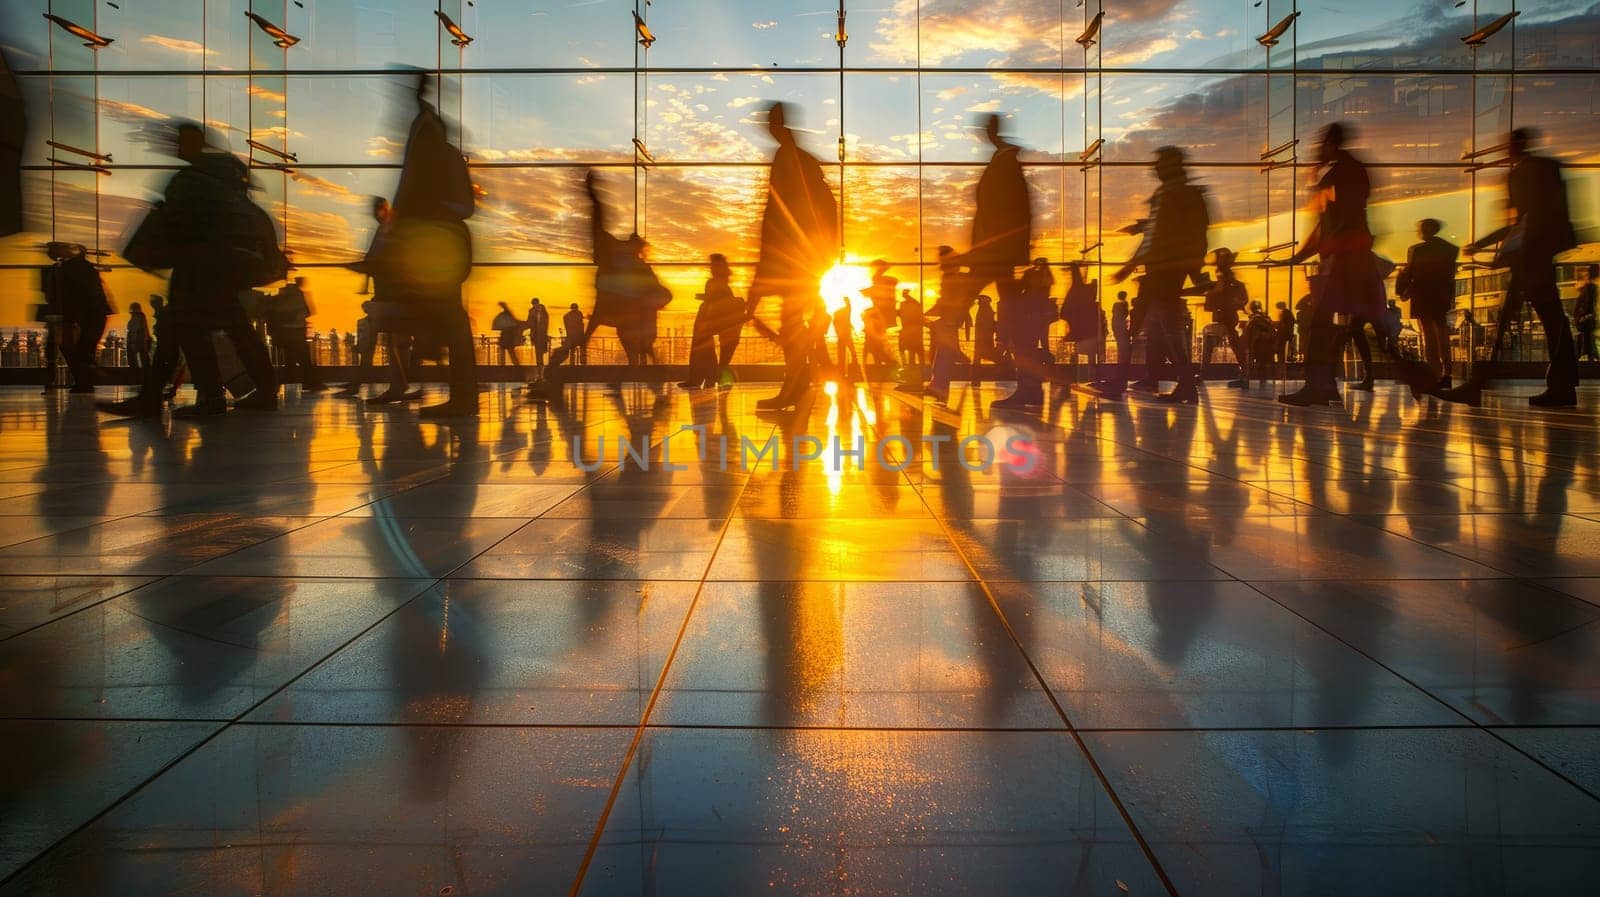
(217, 242)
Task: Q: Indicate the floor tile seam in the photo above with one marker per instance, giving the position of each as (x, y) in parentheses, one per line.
(425, 585)
(158, 578)
(1473, 723)
(661, 679)
(1082, 746)
(127, 591)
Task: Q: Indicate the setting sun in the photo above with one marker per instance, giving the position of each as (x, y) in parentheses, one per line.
(843, 282)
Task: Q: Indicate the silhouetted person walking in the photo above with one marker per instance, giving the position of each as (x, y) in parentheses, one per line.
(844, 336)
(1283, 330)
(985, 346)
(539, 334)
(879, 315)
(718, 321)
(205, 236)
(137, 336)
(1584, 310)
(75, 299)
(911, 325)
(572, 336)
(1080, 311)
(1347, 280)
(1429, 282)
(726, 314)
(949, 316)
(433, 249)
(1540, 227)
(1226, 299)
(508, 335)
(1024, 330)
(627, 293)
(799, 243)
(1172, 250)
(287, 313)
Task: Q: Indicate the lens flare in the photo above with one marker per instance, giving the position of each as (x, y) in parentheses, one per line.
(846, 282)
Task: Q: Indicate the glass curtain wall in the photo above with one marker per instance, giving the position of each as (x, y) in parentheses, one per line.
(665, 102)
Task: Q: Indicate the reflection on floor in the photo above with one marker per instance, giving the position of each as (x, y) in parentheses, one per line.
(1233, 649)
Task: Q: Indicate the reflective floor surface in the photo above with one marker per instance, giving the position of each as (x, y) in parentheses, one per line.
(1232, 649)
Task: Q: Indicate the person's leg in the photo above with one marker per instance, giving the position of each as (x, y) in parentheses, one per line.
(85, 339)
(729, 345)
(1561, 376)
(1321, 340)
(1241, 356)
(1436, 347)
(463, 399)
(204, 370)
(255, 360)
(52, 349)
(1166, 329)
(1358, 338)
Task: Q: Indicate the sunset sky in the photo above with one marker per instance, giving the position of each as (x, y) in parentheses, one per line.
(343, 117)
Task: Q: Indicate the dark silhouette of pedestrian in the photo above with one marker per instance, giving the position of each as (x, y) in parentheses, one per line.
(508, 330)
(363, 355)
(1080, 310)
(1260, 340)
(1226, 299)
(879, 315)
(1540, 227)
(573, 344)
(432, 249)
(1283, 329)
(948, 318)
(1172, 250)
(1429, 281)
(137, 337)
(204, 237)
(726, 313)
(77, 308)
(1583, 309)
(394, 311)
(1002, 226)
(911, 338)
(627, 297)
(287, 313)
(1119, 327)
(717, 324)
(1348, 282)
(539, 334)
(1024, 327)
(844, 336)
(984, 344)
(799, 243)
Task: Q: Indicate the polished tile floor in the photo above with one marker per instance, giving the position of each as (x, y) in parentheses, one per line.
(1219, 650)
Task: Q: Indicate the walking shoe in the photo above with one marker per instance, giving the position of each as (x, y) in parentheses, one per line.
(1469, 393)
(1555, 398)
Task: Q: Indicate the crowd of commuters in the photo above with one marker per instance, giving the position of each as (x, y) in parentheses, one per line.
(997, 307)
